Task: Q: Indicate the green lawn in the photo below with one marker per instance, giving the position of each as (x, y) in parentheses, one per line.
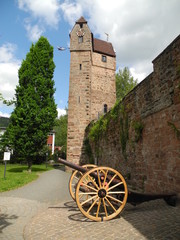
(17, 175)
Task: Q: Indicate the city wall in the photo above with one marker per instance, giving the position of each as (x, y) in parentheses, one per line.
(141, 135)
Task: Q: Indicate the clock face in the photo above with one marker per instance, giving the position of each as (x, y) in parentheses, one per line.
(80, 32)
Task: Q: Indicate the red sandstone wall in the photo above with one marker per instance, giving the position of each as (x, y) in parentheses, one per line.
(152, 164)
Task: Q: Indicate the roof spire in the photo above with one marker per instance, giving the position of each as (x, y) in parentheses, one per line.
(81, 20)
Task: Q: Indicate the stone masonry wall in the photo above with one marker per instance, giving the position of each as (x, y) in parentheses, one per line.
(151, 159)
(102, 84)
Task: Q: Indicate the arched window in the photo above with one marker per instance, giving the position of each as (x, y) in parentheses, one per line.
(105, 108)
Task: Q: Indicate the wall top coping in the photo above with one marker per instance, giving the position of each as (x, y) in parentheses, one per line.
(167, 48)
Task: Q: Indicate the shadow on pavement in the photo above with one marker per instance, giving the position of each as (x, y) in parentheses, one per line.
(4, 220)
(154, 219)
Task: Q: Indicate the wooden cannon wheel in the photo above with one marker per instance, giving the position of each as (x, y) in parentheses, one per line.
(75, 176)
(104, 196)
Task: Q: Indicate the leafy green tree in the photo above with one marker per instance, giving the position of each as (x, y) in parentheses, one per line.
(35, 109)
(61, 133)
(124, 83)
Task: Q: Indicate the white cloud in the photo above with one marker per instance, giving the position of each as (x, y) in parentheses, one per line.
(9, 66)
(61, 112)
(46, 11)
(42, 14)
(139, 30)
(33, 32)
(4, 114)
(72, 11)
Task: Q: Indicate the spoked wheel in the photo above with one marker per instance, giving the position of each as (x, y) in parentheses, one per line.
(75, 176)
(104, 196)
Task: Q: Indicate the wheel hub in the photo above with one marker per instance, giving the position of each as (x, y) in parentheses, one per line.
(102, 193)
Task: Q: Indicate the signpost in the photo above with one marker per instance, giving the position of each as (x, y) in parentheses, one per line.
(6, 158)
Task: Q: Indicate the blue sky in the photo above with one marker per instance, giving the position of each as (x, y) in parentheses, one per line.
(139, 30)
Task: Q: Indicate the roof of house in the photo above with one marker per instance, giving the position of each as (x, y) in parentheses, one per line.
(103, 47)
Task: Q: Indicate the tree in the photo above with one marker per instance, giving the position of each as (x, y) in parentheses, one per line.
(35, 109)
(124, 83)
(61, 133)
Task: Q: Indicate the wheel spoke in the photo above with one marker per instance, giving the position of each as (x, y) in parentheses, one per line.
(87, 193)
(89, 199)
(99, 204)
(92, 205)
(111, 180)
(105, 209)
(117, 192)
(105, 176)
(110, 204)
(99, 179)
(90, 187)
(114, 199)
(120, 183)
(94, 183)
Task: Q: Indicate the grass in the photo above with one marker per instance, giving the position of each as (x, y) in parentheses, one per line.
(17, 175)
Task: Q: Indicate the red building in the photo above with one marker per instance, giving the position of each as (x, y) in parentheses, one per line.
(51, 140)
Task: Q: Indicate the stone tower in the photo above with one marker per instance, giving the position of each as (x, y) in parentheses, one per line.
(91, 84)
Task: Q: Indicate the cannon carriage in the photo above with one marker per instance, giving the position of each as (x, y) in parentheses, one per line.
(101, 192)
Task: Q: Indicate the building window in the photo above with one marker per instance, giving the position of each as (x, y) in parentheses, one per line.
(80, 39)
(80, 66)
(104, 59)
(81, 25)
(105, 108)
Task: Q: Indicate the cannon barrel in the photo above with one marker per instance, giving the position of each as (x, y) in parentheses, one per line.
(73, 165)
(84, 170)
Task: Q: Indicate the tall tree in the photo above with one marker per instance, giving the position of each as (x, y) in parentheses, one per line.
(124, 83)
(35, 109)
(61, 133)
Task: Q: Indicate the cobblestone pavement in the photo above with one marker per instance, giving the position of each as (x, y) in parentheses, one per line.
(153, 220)
(44, 210)
(17, 207)
(15, 213)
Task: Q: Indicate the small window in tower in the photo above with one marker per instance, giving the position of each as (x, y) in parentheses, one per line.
(104, 59)
(81, 25)
(79, 99)
(105, 108)
(80, 66)
(80, 39)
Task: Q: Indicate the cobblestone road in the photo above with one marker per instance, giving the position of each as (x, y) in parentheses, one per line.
(36, 212)
(153, 220)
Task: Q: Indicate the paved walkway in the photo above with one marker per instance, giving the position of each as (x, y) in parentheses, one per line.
(44, 210)
(17, 207)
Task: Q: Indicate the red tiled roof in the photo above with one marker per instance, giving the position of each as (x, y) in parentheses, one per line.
(103, 47)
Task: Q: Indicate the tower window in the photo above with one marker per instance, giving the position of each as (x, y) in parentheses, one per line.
(80, 66)
(104, 59)
(81, 25)
(80, 39)
(105, 108)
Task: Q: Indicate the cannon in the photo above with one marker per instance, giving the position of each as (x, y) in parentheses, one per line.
(101, 192)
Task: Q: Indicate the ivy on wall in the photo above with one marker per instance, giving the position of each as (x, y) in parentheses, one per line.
(117, 113)
(175, 129)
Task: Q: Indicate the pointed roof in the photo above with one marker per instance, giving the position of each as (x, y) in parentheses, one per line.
(103, 47)
(81, 20)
